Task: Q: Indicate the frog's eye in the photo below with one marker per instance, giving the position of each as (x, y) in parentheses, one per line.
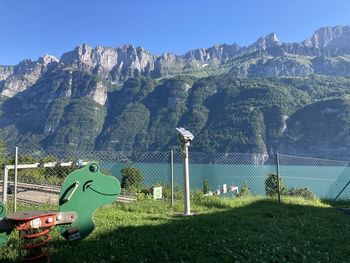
(93, 168)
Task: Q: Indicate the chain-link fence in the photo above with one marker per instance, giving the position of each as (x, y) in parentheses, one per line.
(41, 173)
(224, 174)
(306, 176)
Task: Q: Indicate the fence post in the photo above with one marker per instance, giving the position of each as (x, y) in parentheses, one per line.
(4, 184)
(172, 176)
(15, 182)
(342, 190)
(278, 179)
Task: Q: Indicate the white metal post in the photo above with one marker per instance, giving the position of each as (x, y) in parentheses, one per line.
(4, 185)
(278, 179)
(172, 176)
(186, 137)
(186, 178)
(15, 183)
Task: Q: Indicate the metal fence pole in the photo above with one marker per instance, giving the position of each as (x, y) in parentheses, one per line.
(278, 179)
(342, 190)
(4, 184)
(15, 183)
(172, 176)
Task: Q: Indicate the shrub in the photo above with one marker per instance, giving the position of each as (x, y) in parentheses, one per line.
(178, 192)
(302, 192)
(245, 191)
(132, 179)
(206, 187)
(142, 197)
(271, 186)
(146, 191)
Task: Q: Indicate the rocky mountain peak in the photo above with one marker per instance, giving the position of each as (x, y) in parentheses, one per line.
(266, 57)
(271, 39)
(47, 59)
(268, 41)
(133, 51)
(126, 47)
(216, 53)
(84, 53)
(99, 59)
(81, 53)
(329, 37)
(26, 66)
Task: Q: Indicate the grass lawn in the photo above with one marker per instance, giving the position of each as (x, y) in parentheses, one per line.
(223, 230)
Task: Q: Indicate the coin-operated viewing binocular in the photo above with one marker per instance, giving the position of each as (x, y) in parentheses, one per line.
(185, 136)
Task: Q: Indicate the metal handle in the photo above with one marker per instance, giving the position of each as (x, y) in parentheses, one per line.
(76, 184)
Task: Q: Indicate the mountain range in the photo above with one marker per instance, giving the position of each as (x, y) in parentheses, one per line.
(266, 97)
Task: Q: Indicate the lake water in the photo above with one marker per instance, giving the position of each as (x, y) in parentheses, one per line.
(324, 181)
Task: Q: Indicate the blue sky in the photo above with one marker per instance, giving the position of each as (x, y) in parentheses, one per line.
(32, 28)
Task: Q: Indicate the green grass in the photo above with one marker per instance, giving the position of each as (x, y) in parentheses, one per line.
(223, 230)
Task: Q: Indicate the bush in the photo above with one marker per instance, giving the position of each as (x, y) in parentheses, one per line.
(132, 179)
(245, 191)
(271, 186)
(146, 191)
(178, 192)
(302, 192)
(206, 187)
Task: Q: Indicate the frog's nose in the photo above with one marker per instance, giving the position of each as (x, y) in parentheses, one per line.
(87, 185)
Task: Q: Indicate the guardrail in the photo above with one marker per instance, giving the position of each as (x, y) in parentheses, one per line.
(123, 198)
(9, 167)
(28, 202)
(42, 188)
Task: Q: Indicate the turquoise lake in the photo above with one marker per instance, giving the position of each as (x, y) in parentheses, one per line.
(324, 181)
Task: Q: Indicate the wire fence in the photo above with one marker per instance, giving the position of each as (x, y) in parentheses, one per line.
(321, 177)
(224, 174)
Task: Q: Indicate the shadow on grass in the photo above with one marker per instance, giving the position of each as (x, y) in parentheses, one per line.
(260, 232)
(338, 203)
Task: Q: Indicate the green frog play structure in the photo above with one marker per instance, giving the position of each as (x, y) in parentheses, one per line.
(82, 192)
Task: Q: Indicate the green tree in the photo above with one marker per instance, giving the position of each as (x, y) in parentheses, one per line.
(132, 179)
(271, 185)
(206, 187)
(2, 153)
(245, 190)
